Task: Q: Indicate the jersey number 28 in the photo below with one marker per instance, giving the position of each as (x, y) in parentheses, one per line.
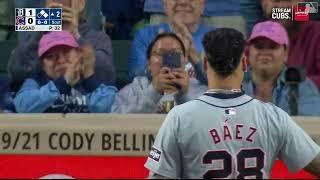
(242, 170)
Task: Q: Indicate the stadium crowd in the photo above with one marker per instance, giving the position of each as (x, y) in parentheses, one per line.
(73, 70)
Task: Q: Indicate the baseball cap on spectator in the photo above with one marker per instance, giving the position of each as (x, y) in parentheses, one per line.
(57, 38)
(271, 30)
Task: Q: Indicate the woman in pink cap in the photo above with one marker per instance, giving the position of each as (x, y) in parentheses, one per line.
(270, 80)
(67, 82)
(24, 60)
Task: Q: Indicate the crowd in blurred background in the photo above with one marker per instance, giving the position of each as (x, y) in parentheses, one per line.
(73, 70)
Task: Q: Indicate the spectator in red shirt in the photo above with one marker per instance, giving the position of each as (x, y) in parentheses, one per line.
(304, 38)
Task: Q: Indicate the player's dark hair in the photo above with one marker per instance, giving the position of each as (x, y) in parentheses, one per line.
(224, 48)
(165, 35)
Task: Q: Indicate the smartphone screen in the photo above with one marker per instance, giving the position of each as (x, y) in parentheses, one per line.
(172, 60)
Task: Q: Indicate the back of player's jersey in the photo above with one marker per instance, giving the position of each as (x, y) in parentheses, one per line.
(228, 136)
(237, 137)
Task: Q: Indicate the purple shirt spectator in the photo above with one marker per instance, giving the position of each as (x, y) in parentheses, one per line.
(305, 50)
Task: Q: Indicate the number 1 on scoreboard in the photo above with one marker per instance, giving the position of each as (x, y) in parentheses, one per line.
(31, 12)
(30, 16)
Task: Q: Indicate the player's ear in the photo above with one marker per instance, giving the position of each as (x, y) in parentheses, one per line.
(244, 61)
(204, 61)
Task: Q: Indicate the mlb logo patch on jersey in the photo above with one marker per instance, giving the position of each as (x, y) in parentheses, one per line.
(155, 154)
(231, 111)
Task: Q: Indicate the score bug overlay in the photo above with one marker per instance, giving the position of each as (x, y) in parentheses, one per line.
(38, 19)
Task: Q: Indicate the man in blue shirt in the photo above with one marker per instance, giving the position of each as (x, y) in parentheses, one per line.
(269, 80)
(220, 13)
(183, 19)
(212, 7)
(67, 82)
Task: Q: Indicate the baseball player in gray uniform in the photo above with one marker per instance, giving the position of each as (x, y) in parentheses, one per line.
(225, 133)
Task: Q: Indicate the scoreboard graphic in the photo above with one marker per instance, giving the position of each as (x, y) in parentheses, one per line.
(38, 19)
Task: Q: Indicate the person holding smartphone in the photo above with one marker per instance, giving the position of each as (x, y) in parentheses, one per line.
(24, 60)
(183, 20)
(166, 75)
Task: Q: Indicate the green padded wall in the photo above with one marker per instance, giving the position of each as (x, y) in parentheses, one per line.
(121, 49)
(6, 47)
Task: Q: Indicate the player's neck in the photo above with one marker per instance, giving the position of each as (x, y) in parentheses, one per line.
(228, 83)
(231, 82)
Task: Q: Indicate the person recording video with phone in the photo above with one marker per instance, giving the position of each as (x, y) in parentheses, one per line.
(67, 82)
(25, 60)
(184, 20)
(167, 83)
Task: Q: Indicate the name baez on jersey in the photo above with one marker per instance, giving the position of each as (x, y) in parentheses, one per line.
(228, 133)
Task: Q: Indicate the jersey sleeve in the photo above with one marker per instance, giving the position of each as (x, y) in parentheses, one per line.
(298, 149)
(165, 156)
